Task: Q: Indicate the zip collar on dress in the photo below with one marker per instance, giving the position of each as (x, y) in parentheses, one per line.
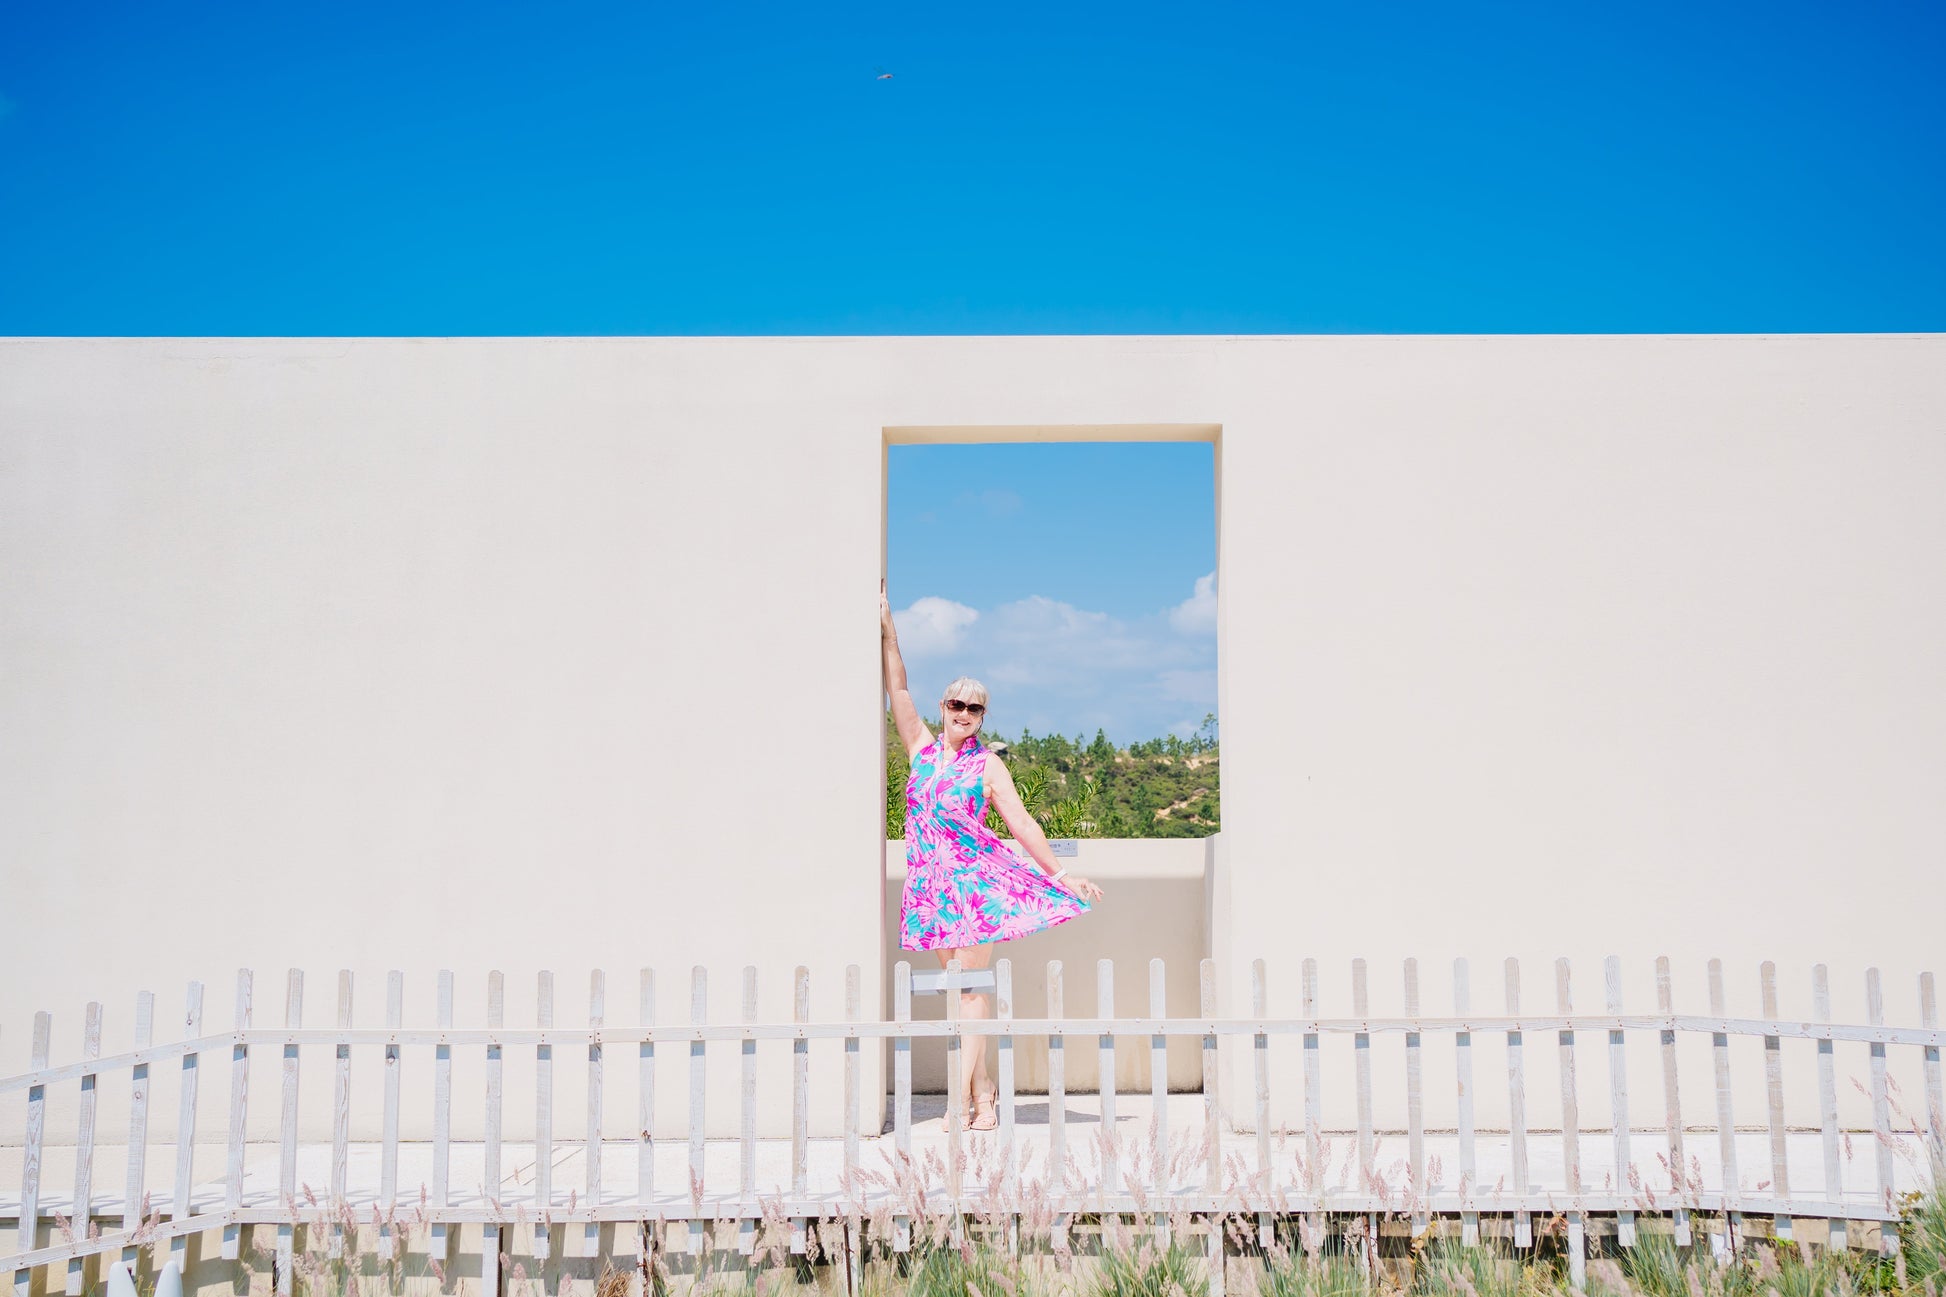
(973, 744)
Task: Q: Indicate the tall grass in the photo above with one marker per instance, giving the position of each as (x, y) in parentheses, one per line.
(1026, 1240)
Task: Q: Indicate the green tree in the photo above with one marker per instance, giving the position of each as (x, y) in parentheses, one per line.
(1092, 790)
(898, 768)
(1059, 817)
(1101, 749)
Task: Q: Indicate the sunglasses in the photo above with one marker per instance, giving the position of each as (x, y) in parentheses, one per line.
(956, 706)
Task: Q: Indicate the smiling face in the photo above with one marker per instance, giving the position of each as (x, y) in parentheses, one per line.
(956, 726)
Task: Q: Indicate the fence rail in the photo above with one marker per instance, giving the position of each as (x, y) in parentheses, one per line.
(1200, 1167)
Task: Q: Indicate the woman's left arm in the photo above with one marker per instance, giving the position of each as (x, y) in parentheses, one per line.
(1026, 829)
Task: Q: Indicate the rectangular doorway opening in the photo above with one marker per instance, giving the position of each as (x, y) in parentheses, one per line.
(1076, 572)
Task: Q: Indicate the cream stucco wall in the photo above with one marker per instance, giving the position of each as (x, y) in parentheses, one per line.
(1587, 646)
(455, 653)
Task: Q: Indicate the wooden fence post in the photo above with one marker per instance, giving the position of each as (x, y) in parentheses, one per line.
(1780, 1166)
(1159, 1080)
(82, 1208)
(1571, 1133)
(1111, 1177)
(1415, 1106)
(28, 1231)
(800, 1102)
(1834, 1183)
(442, 1116)
(852, 1186)
(591, 1147)
(1888, 1233)
(956, 1086)
(239, 1107)
(1726, 1125)
(1935, 1101)
(1361, 1042)
(645, 1099)
(1003, 1008)
(1672, 1102)
(135, 1196)
(490, 1233)
(1260, 1086)
(1313, 1116)
(902, 1095)
(388, 1165)
(853, 1086)
(182, 1207)
(1057, 1102)
(1517, 1108)
(1214, 1245)
(1626, 1179)
(1211, 1097)
(698, 1083)
(543, 1118)
(1463, 1075)
(747, 1115)
(287, 1145)
(340, 1118)
(1057, 1091)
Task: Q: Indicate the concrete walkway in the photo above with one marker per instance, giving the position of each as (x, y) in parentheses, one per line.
(825, 1163)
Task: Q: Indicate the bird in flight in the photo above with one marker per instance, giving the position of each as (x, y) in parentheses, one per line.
(882, 75)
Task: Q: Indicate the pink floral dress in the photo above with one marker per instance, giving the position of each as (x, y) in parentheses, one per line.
(965, 886)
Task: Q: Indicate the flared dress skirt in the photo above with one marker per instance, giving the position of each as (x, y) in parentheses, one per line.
(964, 884)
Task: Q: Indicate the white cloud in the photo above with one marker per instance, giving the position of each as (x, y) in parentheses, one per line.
(1044, 638)
(1055, 667)
(994, 502)
(1196, 615)
(1039, 618)
(932, 626)
(1189, 687)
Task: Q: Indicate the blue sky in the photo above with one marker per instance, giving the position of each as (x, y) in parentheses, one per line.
(1075, 580)
(433, 168)
(1087, 168)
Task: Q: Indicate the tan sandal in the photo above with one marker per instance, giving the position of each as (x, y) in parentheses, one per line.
(985, 1116)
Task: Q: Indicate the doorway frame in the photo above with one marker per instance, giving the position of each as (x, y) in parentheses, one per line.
(1216, 926)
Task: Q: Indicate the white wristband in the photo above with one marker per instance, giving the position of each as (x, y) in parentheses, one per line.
(1057, 876)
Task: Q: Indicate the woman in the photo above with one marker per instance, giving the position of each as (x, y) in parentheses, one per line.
(964, 887)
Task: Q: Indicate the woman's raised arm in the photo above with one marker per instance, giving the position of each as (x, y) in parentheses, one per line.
(912, 731)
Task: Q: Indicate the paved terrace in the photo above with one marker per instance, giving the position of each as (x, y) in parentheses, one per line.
(722, 1196)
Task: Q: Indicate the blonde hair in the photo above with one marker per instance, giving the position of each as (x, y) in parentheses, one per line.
(967, 690)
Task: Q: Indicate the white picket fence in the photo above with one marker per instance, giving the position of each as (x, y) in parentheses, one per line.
(1218, 1176)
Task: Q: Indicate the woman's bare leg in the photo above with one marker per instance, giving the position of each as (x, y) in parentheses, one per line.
(972, 1004)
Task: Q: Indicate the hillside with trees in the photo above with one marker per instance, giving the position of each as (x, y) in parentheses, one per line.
(1158, 788)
